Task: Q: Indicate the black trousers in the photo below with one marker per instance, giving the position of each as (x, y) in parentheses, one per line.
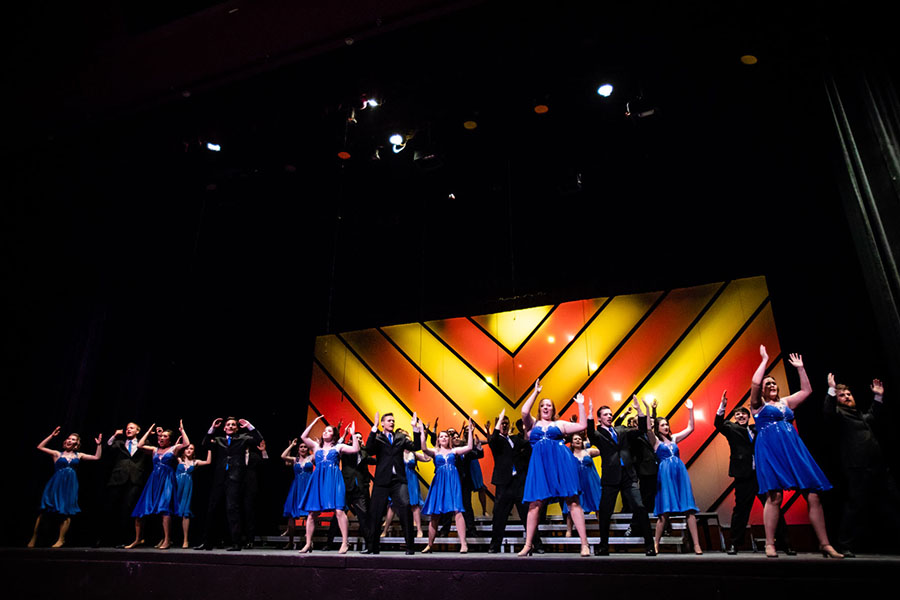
(358, 503)
(648, 491)
(250, 490)
(871, 494)
(508, 496)
(228, 490)
(119, 525)
(398, 492)
(746, 489)
(631, 497)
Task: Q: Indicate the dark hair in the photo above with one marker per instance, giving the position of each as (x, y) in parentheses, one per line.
(600, 410)
(235, 419)
(170, 432)
(660, 436)
(386, 415)
(742, 409)
(840, 387)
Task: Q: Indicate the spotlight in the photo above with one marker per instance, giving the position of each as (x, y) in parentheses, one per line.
(640, 108)
(213, 147)
(470, 125)
(749, 59)
(396, 139)
(541, 109)
(368, 102)
(605, 90)
(343, 155)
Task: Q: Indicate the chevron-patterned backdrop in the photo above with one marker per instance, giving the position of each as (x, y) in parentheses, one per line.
(672, 345)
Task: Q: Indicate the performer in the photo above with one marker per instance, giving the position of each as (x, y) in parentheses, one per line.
(477, 477)
(253, 458)
(552, 475)
(645, 463)
(465, 469)
(158, 497)
(674, 493)
(411, 459)
(229, 454)
(741, 436)
(617, 475)
(61, 492)
(303, 465)
(355, 470)
(782, 459)
(870, 483)
(445, 495)
(184, 486)
(511, 457)
(390, 478)
(126, 482)
(326, 486)
(588, 479)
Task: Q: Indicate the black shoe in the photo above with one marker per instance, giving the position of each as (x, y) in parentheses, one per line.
(119, 546)
(601, 550)
(234, 548)
(249, 545)
(493, 550)
(539, 550)
(371, 551)
(410, 552)
(848, 554)
(204, 546)
(790, 551)
(732, 550)
(650, 552)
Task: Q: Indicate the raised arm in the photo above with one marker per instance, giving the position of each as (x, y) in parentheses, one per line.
(756, 380)
(310, 443)
(143, 440)
(286, 455)
(42, 446)
(527, 421)
(350, 448)
(185, 441)
(581, 424)
(469, 444)
(423, 440)
(684, 433)
(202, 463)
(97, 453)
(720, 413)
(796, 398)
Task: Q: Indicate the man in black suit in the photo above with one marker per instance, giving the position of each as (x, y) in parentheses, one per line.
(643, 457)
(126, 481)
(254, 457)
(741, 436)
(870, 486)
(618, 476)
(230, 462)
(390, 479)
(465, 479)
(355, 471)
(511, 455)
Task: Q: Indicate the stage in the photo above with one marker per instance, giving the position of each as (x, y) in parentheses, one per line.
(137, 574)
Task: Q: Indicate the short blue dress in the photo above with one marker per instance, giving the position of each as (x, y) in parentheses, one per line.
(326, 489)
(412, 483)
(445, 494)
(184, 490)
(61, 492)
(158, 497)
(782, 460)
(589, 481)
(302, 474)
(552, 472)
(674, 493)
(476, 475)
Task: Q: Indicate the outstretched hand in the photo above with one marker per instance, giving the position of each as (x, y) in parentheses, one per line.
(689, 404)
(216, 423)
(56, 431)
(877, 387)
(244, 423)
(537, 386)
(831, 381)
(762, 353)
(796, 361)
(724, 398)
(99, 439)
(579, 398)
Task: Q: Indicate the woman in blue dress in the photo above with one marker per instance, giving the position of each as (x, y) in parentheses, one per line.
(588, 479)
(477, 477)
(782, 459)
(158, 497)
(61, 492)
(303, 465)
(411, 460)
(445, 495)
(552, 474)
(674, 494)
(184, 486)
(326, 489)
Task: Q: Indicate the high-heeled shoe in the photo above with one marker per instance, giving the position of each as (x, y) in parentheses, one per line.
(585, 550)
(772, 553)
(344, 548)
(134, 544)
(464, 550)
(697, 550)
(307, 549)
(829, 552)
(164, 546)
(426, 549)
(526, 551)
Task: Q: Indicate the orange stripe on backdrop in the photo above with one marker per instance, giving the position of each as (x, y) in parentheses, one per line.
(327, 399)
(513, 327)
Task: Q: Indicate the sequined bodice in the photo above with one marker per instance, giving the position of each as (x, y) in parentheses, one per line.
(444, 460)
(549, 435)
(330, 459)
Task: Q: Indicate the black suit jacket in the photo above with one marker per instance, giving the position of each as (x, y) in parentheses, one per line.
(127, 468)
(389, 457)
(507, 457)
(464, 466)
(234, 454)
(617, 464)
(859, 447)
(355, 469)
(740, 464)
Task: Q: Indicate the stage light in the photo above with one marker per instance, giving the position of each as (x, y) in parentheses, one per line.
(372, 102)
(617, 397)
(593, 367)
(475, 412)
(213, 147)
(489, 379)
(396, 139)
(605, 90)
(343, 155)
(451, 197)
(541, 109)
(470, 125)
(570, 337)
(551, 339)
(649, 398)
(749, 59)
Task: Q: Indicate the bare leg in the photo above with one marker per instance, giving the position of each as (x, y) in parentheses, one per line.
(417, 519)
(167, 532)
(37, 524)
(482, 496)
(185, 526)
(432, 533)
(138, 540)
(387, 521)
(289, 531)
(817, 518)
(660, 525)
(310, 529)
(771, 512)
(344, 525)
(569, 525)
(577, 515)
(461, 532)
(692, 527)
(63, 530)
(534, 513)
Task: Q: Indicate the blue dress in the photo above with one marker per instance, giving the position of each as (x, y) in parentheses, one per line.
(552, 474)
(475, 474)
(302, 474)
(326, 489)
(782, 460)
(184, 489)
(61, 492)
(412, 483)
(589, 480)
(158, 497)
(445, 495)
(674, 493)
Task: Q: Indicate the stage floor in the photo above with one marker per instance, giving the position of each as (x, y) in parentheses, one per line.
(138, 574)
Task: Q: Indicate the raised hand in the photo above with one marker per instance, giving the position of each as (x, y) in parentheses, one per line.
(590, 408)
(99, 439)
(796, 361)
(244, 423)
(352, 428)
(56, 431)
(118, 432)
(831, 381)
(180, 424)
(877, 387)
(293, 442)
(413, 422)
(724, 398)
(762, 353)
(537, 386)
(154, 429)
(689, 404)
(216, 423)
(579, 398)
(654, 403)
(262, 446)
